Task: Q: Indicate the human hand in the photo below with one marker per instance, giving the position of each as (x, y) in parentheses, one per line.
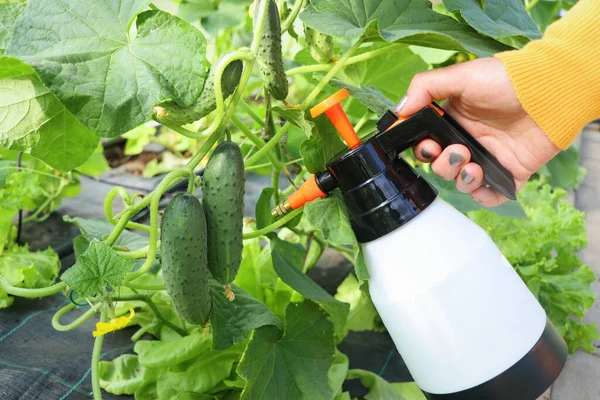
(482, 99)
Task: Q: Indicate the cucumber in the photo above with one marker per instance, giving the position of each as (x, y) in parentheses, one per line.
(223, 187)
(319, 44)
(184, 258)
(269, 57)
(171, 113)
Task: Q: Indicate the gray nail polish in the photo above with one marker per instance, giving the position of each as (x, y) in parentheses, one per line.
(402, 103)
(455, 159)
(426, 154)
(466, 178)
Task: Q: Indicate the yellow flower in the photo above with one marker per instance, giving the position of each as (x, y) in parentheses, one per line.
(103, 328)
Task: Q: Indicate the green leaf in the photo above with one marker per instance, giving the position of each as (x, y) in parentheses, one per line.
(500, 19)
(363, 316)
(543, 249)
(409, 391)
(9, 12)
(330, 217)
(232, 321)
(97, 268)
(287, 261)
(338, 372)
(296, 117)
(563, 170)
(263, 208)
(411, 22)
(138, 138)
(108, 79)
(432, 56)
(6, 218)
(370, 96)
(206, 372)
(312, 153)
(161, 354)
(33, 120)
(26, 269)
(96, 164)
(330, 138)
(99, 229)
(123, 375)
(294, 365)
(379, 388)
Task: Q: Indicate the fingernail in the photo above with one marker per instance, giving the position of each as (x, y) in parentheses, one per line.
(455, 159)
(426, 154)
(402, 103)
(466, 178)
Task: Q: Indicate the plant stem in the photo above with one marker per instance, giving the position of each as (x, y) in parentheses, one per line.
(362, 121)
(148, 300)
(259, 166)
(251, 113)
(31, 293)
(269, 146)
(185, 132)
(289, 21)
(96, 361)
(139, 253)
(307, 69)
(531, 4)
(78, 322)
(277, 224)
(254, 139)
(275, 184)
(143, 286)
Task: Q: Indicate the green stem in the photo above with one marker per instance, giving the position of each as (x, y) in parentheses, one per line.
(251, 113)
(362, 121)
(277, 224)
(269, 146)
(30, 170)
(307, 69)
(185, 132)
(108, 202)
(140, 253)
(275, 184)
(31, 293)
(119, 228)
(531, 4)
(138, 334)
(46, 202)
(259, 166)
(144, 286)
(96, 361)
(289, 21)
(78, 322)
(148, 300)
(254, 139)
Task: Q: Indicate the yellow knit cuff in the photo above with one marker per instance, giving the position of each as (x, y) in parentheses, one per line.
(557, 78)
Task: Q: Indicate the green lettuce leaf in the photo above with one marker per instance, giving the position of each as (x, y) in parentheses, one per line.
(161, 354)
(107, 77)
(543, 249)
(363, 316)
(293, 365)
(123, 375)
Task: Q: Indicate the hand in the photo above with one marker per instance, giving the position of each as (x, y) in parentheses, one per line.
(482, 99)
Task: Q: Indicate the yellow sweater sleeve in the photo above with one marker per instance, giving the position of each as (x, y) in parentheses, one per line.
(557, 78)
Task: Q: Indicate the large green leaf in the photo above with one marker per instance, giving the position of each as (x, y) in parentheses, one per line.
(564, 170)
(499, 18)
(363, 316)
(379, 388)
(292, 366)
(8, 16)
(100, 229)
(33, 120)
(287, 261)
(110, 80)
(407, 21)
(232, 321)
(123, 375)
(161, 354)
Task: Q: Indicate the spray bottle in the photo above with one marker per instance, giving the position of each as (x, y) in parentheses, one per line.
(464, 322)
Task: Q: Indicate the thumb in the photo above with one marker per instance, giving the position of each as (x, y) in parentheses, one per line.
(437, 84)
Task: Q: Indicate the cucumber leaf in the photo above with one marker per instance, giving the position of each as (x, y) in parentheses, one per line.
(96, 269)
(108, 78)
(338, 372)
(499, 19)
(293, 365)
(232, 321)
(263, 208)
(9, 12)
(379, 388)
(123, 375)
(33, 120)
(287, 261)
(408, 21)
(100, 229)
(363, 315)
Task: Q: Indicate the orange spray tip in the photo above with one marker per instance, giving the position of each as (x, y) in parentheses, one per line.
(331, 107)
(309, 191)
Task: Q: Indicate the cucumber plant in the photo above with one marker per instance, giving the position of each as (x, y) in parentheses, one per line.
(226, 297)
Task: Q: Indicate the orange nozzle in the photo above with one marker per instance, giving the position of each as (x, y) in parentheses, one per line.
(309, 191)
(331, 107)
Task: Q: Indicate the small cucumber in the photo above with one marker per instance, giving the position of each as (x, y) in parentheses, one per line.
(319, 44)
(269, 57)
(223, 189)
(172, 114)
(184, 258)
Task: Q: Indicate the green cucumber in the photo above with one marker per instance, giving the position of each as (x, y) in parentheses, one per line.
(269, 56)
(171, 113)
(223, 187)
(319, 44)
(184, 258)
